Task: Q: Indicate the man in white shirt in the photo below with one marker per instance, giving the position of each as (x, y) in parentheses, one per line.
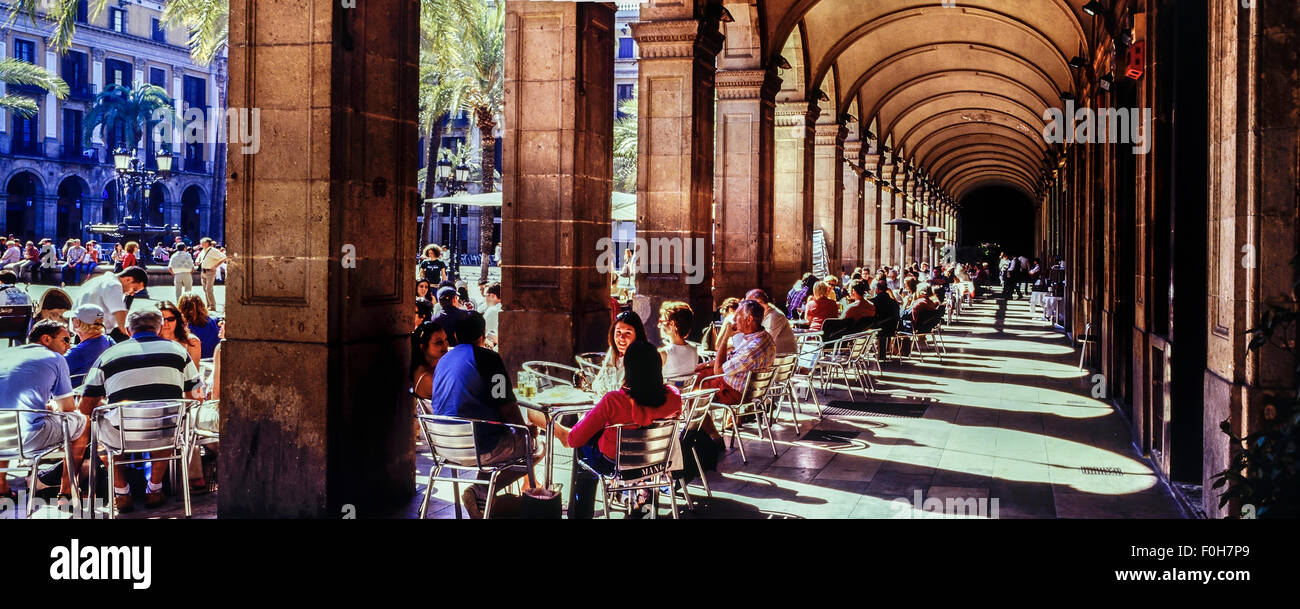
(209, 259)
(108, 291)
(182, 267)
(775, 322)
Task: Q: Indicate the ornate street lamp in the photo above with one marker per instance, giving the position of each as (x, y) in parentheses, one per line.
(453, 180)
(132, 177)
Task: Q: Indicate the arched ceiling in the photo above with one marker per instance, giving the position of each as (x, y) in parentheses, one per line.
(960, 89)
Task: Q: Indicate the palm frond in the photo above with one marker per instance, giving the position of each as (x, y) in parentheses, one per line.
(21, 105)
(208, 22)
(19, 72)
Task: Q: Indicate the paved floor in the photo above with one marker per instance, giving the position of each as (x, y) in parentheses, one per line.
(1006, 417)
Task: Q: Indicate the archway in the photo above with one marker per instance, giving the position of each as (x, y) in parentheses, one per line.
(998, 214)
(22, 204)
(154, 212)
(109, 213)
(72, 191)
(190, 202)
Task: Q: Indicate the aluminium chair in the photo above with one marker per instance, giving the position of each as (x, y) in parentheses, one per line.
(642, 462)
(454, 444)
(11, 450)
(127, 430)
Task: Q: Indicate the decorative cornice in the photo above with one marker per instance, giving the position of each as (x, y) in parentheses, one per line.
(747, 84)
(796, 114)
(675, 39)
(853, 149)
(829, 135)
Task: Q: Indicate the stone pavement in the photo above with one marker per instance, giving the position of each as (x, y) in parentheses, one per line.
(1006, 416)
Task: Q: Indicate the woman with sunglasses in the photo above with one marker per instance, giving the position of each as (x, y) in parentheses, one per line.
(174, 328)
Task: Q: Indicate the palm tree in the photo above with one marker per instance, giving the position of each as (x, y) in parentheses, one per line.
(133, 111)
(480, 60)
(19, 72)
(625, 147)
(207, 20)
(440, 87)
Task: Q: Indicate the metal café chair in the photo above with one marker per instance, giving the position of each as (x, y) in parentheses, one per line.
(836, 359)
(695, 411)
(642, 462)
(863, 360)
(753, 403)
(133, 428)
(1086, 341)
(782, 384)
(454, 444)
(808, 349)
(683, 383)
(550, 374)
(11, 449)
(590, 362)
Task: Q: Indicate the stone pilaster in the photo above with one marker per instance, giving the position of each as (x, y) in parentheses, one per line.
(871, 213)
(743, 182)
(828, 189)
(676, 159)
(315, 412)
(793, 195)
(556, 180)
(851, 250)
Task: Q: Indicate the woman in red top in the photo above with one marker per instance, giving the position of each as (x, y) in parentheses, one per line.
(128, 260)
(643, 398)
(822, 306)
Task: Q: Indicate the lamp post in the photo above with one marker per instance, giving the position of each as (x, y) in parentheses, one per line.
(131, 176)
(453, 181)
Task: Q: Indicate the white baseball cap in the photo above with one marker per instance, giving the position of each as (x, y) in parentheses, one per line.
(86, 314)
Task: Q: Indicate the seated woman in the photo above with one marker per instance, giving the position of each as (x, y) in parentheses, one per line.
(428, 345)
(679, 359)
(174, 328)
(627, 328)
(821, 306)
(643, 398)
(201, 324)
(726, 314)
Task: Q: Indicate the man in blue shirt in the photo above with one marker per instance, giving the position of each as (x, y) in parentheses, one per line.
(88, 322)
(35, 377)
(471, 382)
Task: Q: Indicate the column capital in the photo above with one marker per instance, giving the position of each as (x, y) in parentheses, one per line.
(830, 134)
(796, 114)
(676, 39)
(853, 149)
(747, 84)
(96, 54)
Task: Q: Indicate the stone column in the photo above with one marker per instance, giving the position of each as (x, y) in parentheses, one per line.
(871, 214)
(888, 234)
(316, 419)
(1255, 174)
(828, 190)
(851, 250)
(557, 176)
(675, 158)
(742, 211)
(793, 195)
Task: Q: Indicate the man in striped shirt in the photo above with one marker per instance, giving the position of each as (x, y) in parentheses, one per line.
(145, 368)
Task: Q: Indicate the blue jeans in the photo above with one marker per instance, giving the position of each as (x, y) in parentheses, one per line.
(582, 484)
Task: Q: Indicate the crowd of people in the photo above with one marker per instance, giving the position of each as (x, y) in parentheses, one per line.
(44, 263)
(101, 354)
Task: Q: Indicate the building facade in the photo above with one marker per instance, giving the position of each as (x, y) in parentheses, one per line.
(53, 185)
